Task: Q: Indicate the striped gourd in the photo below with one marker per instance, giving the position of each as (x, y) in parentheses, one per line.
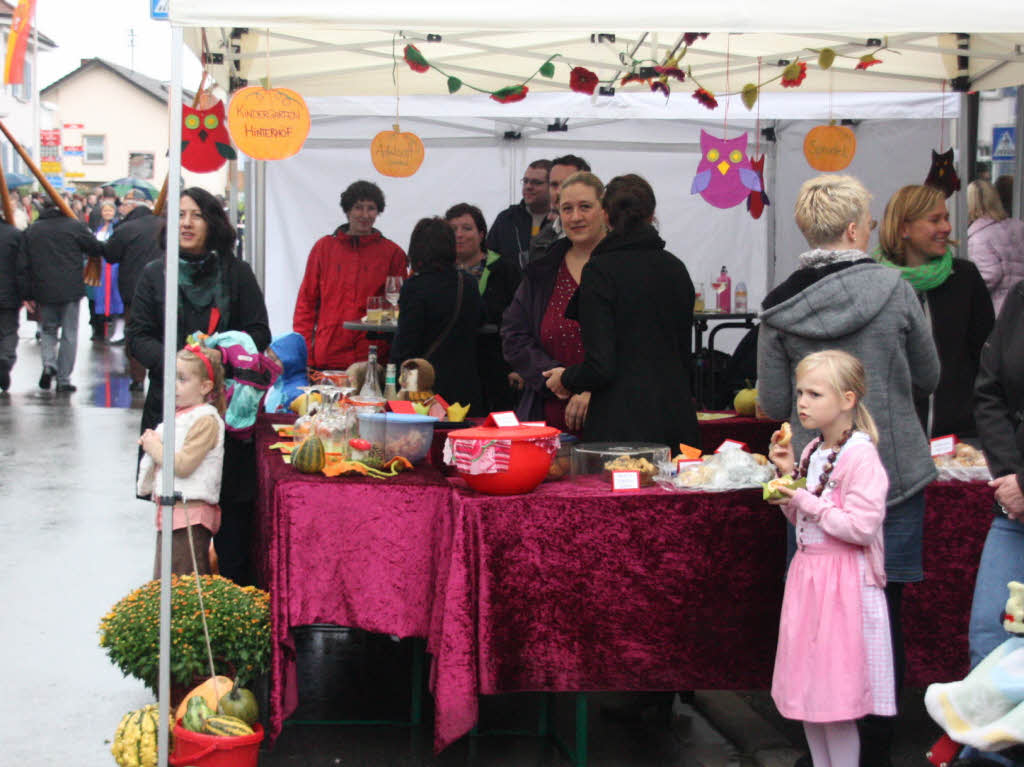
(231, 726)
(135, 739)
(309, 457)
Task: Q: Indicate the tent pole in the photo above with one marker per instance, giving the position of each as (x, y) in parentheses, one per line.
(258, 259)
(170, 350)
(1018, 165)
(965, 145)
(770, 223)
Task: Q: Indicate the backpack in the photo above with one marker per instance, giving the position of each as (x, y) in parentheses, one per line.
(248, 374)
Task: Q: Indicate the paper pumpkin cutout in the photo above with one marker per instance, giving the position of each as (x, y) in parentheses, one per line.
(942, 173)
(830, 147)
(268, 123)
(724, 175)
(757, 201)
(205, 143)
(396, 153)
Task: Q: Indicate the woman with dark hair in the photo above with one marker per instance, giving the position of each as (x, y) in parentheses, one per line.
(635, 308)
(342, 271)
(439, 312)
(216, 292)
(497, 279)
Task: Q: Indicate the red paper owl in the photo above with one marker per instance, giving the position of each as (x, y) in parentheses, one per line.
(205, 143)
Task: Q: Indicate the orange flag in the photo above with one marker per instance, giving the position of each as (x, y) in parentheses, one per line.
(17, 41)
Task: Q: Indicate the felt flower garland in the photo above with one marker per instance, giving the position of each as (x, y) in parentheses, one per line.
(508, 94)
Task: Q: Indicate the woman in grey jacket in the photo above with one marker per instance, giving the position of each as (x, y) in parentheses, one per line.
(840, 298)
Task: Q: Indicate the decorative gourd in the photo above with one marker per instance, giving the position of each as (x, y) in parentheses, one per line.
(396, 153)
(240, 703)
(268, 123)
(196, 714)
(228, 726)
(829, 147)
(210, 690)
(135, 738)
(309, 457)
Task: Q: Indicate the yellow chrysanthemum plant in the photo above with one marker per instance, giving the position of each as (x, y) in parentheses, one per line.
(238, 619)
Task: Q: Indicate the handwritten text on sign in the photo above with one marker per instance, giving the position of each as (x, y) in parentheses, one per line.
(396, 153)
(268, 123)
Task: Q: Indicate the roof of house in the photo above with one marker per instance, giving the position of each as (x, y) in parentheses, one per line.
(155, 88)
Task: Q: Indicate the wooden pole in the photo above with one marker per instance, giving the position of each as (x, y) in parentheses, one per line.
(57, 199)
(5, 197)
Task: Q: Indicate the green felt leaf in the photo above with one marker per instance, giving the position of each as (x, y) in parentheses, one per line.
(226, 150)
(749, 95)
(547, 69)
(454, 84)
(826, 57)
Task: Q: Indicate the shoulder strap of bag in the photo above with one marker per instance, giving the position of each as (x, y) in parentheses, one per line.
(451, 323)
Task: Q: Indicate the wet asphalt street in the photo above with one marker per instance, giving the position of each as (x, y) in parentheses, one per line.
(74, 540)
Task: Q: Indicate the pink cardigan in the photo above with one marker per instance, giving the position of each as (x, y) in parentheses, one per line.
(997, 249)
(855, 510)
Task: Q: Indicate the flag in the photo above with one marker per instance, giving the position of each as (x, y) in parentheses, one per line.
(17, 41)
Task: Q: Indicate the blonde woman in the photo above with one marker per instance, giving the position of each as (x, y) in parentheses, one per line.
(995, 242)
(914, 241)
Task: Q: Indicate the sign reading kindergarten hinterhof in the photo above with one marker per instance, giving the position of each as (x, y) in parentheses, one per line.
(50, 157)
(268, 123)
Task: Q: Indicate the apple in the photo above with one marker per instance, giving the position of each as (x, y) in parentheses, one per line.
(745, 402)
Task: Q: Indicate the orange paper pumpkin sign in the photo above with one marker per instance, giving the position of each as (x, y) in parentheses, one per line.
(396, 154)
(829, 147)
(268, 123)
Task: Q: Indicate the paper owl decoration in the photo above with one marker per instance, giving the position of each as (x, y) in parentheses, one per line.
(724, 175)
(205, 143)
(942, 173)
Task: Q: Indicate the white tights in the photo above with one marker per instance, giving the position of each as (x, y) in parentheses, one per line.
(833, 744)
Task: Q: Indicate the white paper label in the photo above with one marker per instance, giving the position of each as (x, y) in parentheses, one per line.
(731, 444)
(507, 418)
(943, 445)
(625, 480)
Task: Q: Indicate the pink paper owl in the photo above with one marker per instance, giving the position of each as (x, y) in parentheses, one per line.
(724, 175)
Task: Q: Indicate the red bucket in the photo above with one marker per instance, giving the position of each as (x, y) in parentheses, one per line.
(201, 750)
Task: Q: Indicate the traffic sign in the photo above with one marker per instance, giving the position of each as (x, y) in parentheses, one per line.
(1004, 142)
(158, 9)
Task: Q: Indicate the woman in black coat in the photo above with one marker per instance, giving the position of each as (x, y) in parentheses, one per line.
(216, 292)
(439, 312)
(635, 308)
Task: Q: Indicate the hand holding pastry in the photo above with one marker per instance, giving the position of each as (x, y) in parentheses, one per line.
(780, 451)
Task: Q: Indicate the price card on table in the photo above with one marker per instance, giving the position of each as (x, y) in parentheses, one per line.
(731, 444)
(944, 445)
(502, 419)
(401, 406)
(682, 464)
(625, 480)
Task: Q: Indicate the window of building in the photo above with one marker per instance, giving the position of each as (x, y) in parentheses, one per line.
(95, 148)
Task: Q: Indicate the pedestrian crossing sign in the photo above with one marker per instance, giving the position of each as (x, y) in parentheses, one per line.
(158, 9)
(1004, 144)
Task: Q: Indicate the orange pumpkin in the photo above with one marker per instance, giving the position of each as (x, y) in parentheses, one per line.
(211, 690)
(268, 123)
(395, 153)
(830, 147)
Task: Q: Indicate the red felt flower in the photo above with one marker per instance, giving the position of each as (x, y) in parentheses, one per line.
(674, 72)
(658, 86)
(632, 77)
(415, 59)
(689, 38)
(705, 97)
(582, 80)
(510, 94)
(867, 60)
(794, 74)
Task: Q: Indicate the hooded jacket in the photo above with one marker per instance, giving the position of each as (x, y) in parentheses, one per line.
(291, 351)
(871, 312)
(342, 271)
(997, 249)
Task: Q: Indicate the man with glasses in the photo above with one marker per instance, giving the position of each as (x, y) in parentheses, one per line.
(513, 228)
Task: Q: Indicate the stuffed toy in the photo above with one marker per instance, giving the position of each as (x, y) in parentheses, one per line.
(416, 380)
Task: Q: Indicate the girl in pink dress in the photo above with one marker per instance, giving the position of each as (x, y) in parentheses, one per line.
(834, 659)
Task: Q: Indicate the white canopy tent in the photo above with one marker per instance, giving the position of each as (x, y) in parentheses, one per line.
(322, 48)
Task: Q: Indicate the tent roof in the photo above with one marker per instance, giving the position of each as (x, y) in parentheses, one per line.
(322, 48)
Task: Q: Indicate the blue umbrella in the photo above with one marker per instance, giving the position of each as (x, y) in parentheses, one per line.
(17, 179)
(122, 185)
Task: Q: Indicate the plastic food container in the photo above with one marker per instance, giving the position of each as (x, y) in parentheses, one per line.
(561, 462)
(602, 458)
(401, 434)
(502, 460)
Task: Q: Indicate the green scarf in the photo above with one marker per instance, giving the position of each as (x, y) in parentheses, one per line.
(200, 284)
(926, 276)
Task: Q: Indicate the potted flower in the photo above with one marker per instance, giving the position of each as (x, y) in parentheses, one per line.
(237, 617)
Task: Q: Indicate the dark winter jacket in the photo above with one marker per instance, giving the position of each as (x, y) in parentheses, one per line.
(498, 284)
(870, 311)
(999, 393)
(134, 243)
(12, 267)
(520, 330)
(510, 233)
(635, 309)
(425, 308)
(54, 248)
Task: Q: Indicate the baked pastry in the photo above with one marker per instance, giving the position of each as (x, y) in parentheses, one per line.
(785, 433)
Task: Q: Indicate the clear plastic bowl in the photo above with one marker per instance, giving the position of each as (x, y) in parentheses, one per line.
(401, 434)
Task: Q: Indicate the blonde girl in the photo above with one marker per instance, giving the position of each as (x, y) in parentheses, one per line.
(834, 661)
(198, 458)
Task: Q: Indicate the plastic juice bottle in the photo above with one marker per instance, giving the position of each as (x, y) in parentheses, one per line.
(722, 290)
(740, 298)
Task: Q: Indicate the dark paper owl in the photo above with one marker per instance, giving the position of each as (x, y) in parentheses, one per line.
(942, 174)
(724, 175)
(757, 201)
(205, 143)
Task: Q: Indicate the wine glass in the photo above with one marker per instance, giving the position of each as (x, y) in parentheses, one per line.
(392, 290)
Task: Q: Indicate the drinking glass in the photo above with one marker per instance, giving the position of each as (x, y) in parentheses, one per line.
(392, 290)
(698, 299)
(374, 310)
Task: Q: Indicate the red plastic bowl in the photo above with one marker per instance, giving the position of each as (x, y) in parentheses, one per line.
(528, 463)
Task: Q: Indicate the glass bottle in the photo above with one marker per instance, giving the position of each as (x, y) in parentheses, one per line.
(722, 292)
(371, 386)
(739, 297)
(390, 388)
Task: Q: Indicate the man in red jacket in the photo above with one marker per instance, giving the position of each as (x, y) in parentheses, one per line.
(343, 270)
